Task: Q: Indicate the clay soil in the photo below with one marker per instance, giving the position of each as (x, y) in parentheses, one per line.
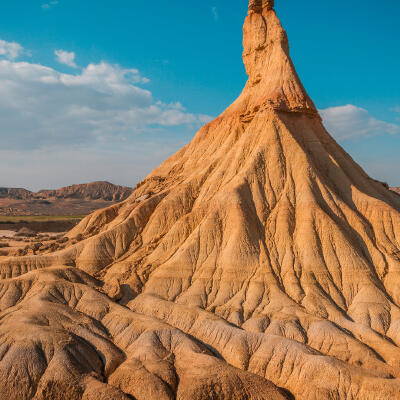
(55, 207)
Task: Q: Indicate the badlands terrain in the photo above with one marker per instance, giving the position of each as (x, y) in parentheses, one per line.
(36, 222)
(259, 262)
(71, 200)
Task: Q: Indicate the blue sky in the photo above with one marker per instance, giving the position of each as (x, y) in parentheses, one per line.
(93, 90)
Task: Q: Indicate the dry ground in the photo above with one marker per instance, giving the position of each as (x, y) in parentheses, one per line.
(51, 207)
(31, 235)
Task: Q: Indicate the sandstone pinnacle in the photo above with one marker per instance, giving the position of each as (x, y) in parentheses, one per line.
(259, 5)
(273, 81)
(258, 262)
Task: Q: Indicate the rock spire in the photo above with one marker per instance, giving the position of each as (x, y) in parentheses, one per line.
(259, 5)
(258, 257)
(273, 82)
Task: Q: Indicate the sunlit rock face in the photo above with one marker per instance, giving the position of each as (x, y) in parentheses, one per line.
(259, 262)
(259, 5)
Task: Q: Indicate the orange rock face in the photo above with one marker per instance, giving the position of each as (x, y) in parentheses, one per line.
(259, 262)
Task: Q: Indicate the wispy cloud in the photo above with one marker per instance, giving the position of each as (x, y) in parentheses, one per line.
(100, 117)
(10, 50)
(41, 107)
(97, 122)
(214, 12)
(66, 58)
(396, 110)
(46, 6)
(350, 121)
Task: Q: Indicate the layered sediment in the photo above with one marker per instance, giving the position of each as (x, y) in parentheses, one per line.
(259, 262)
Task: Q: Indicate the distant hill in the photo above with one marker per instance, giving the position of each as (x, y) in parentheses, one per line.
(70, 200)
(89, 191)
(15, 193)
(396, 189)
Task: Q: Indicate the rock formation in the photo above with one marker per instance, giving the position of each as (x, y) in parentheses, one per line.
(85, 191)
(88, 191)
(15, 193)
(396, 190)
(259, 262)
(70, 200)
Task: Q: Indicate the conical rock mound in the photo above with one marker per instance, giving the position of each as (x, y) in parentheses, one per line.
(260, 252)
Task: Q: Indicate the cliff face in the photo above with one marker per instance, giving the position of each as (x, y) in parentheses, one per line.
(260, 252)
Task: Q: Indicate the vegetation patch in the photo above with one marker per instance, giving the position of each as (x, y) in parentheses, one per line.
(14, 219)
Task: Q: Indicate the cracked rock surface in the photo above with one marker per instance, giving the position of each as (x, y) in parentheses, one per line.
(259, 262)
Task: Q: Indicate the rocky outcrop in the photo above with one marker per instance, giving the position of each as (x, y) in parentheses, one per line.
(15, 193)
(259, 5)
(273, 82)
(71, 200)
(259, 262)
(88, 191)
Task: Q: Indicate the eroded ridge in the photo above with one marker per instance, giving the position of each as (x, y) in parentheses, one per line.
(259, 262)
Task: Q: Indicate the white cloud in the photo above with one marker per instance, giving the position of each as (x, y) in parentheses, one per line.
(42, 169)
(66, 58)
(10, 50)
(96, 123)
(41, 107)
(46, 6)
(214, 12)
(349, 121)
